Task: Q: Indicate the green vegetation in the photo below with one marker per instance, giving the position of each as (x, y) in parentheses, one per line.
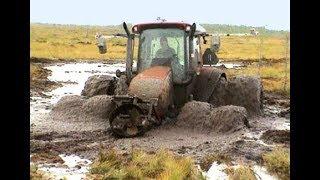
(241, 173)
(278, 162)
(141, 165)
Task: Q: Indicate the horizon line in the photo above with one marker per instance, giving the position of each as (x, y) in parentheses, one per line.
(135, 23)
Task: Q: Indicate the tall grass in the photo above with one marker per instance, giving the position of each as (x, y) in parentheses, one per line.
(278, 162)
(162, 165)
(241, 173)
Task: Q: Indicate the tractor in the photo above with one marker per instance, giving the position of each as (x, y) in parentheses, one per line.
(171, 69)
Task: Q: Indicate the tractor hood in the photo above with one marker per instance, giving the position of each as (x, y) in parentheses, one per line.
(155, 82)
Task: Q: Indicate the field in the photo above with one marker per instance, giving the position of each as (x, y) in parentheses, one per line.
(74, 132)
(62, 42)
(73, 42)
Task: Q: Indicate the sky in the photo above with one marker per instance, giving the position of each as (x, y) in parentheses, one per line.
(273, 14)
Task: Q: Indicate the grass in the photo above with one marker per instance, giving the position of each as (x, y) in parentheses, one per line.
(248, 48)
(273, 76)
(278, 162)
(240, 173)
(78, 42)
(34, 173)
(141, 165)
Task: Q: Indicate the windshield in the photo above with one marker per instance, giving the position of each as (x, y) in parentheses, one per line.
(163, 47)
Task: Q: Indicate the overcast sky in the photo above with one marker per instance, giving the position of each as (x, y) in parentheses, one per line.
(274, 14)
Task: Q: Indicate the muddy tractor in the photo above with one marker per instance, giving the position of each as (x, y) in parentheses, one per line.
(171, 69)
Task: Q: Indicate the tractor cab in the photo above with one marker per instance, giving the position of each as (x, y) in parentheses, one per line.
(171, 70)
(169, 73)
(172, 44)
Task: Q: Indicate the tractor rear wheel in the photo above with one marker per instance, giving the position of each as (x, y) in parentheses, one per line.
(246, 91)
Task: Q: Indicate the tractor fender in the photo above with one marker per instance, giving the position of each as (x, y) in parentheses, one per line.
(206, 82)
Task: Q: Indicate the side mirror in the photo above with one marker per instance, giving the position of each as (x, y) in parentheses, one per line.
(101, 43)
(215, 43)
(209, 57)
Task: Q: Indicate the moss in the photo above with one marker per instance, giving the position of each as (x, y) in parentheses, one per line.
(278, 162)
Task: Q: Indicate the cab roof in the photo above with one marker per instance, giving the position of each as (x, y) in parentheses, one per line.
(138, 28)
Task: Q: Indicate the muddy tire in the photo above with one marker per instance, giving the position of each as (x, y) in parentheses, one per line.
(126, 121)
(240, 91)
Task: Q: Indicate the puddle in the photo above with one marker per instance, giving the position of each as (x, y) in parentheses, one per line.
(74, 168)
(228, 65)
(216, 172)
(73, 77)
(78, 73)
(262, 174)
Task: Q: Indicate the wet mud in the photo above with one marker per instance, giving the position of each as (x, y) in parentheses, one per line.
(199, 130)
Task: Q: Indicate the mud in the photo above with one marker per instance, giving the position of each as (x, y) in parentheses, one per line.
(276, 136)
(47, 158)
(63, 132)
(247, 150)
(39, 82)
(203, 116)
(240, 91)
(78, 108)
(121, 86)
(99, 85)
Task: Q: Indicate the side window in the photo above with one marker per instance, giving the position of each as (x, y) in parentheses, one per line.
(155, 46)
(196, 46)
(196, 53)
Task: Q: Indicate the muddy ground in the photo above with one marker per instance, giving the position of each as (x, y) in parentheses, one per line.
(86, 138)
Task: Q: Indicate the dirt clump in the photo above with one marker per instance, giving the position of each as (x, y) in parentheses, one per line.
(78, 108)
(204, 117)
(250, 150)
(100, 106)
(240, 91)
(228, 118)
(99, 85)
(276, 136)
(121, 86)
(275, 99)
(285, 113)
(68, 107)
(47, 158)
(39, 81)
